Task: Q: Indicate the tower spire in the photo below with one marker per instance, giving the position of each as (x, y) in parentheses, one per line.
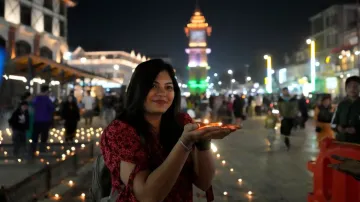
(197, 6)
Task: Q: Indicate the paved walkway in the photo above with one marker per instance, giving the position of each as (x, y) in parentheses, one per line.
(274, 175)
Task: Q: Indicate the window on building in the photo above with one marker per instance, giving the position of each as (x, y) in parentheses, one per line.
(62, 28)
(317, 25)
(320, 42)
(62, 8)
(46, 52)
(2, 8)
(48, 23)
(2, 42)
(22, 48)
(25, 15)
(48, 4)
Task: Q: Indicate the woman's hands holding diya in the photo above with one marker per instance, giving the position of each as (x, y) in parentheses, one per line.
(195, 132)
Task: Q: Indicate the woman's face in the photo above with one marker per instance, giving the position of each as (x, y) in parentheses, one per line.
(326, 102)
(161, 95)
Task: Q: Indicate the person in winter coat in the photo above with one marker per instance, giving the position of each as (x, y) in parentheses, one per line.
(27, 97)
(238, 109)
(346, 121)
(19, 122)
(71, 115)
(288, 109)
(323, 115)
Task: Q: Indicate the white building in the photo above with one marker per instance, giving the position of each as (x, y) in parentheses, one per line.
(115, 65)
(37, 27)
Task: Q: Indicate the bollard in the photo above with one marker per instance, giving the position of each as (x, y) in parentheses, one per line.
(332, 185)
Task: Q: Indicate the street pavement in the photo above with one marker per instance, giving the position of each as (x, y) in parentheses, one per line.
(251, 171)
(273, 175)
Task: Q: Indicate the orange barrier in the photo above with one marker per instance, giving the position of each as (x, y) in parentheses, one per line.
(331, 185)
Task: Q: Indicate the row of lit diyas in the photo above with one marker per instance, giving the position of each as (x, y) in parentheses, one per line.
(223, 162)
(56, 134)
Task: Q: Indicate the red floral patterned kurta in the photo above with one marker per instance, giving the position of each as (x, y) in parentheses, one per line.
(120, 142)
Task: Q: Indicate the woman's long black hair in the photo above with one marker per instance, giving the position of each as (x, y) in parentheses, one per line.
(141, 83)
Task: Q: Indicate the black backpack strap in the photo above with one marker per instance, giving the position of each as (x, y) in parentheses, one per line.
(112, 198)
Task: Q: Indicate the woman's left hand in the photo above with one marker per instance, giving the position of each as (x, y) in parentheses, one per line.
(220, 133)
(347, 165)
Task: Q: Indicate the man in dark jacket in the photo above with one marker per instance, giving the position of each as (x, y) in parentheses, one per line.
(288, 109)
(19, 123)
(346, 119)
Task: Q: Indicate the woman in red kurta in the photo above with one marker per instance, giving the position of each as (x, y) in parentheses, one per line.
(151, 155)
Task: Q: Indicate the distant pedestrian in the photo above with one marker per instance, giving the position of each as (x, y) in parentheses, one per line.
(108, 103)
(19, 123)
(89, 105)
(71, 114)
(27, 97)
(270, 124)
(288, 108)
(44, 113)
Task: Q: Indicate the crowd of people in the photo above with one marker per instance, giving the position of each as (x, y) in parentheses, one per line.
(35, 115)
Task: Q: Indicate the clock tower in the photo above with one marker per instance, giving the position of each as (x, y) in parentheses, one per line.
(197, 31)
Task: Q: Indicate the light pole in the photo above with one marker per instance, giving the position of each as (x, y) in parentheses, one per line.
(269, 73)
(230, 72)
(312, 63)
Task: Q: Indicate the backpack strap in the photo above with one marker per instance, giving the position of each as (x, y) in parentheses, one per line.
(210, 194)
(112, 198)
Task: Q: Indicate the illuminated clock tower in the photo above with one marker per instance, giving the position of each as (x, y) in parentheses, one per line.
(197, 31)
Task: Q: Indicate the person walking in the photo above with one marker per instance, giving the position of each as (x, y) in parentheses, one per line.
(288, 109)
(322, 116)
(71, 114)
(44, 112)
(89, 104)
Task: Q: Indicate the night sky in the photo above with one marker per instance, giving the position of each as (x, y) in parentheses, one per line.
(243, 31)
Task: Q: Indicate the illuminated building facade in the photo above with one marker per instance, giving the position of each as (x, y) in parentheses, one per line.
(197, 31)
(114, 65)
(37, 27)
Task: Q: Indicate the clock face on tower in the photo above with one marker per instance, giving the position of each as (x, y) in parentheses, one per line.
(197, 36)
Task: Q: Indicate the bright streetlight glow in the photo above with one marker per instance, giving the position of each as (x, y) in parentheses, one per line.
(215, 74)
(220, 83)
(230, 72)
(83, 60)
(312, 63)
(248, 78)
(269, 73)
(116, 67)
(232, 80)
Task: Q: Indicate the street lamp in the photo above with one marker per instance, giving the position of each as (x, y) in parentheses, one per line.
(312, 63)
(230, 72)
(232, 80)
(215, 74)
(248, 78)
(269, 73)
(116, 67)
(219, 83)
